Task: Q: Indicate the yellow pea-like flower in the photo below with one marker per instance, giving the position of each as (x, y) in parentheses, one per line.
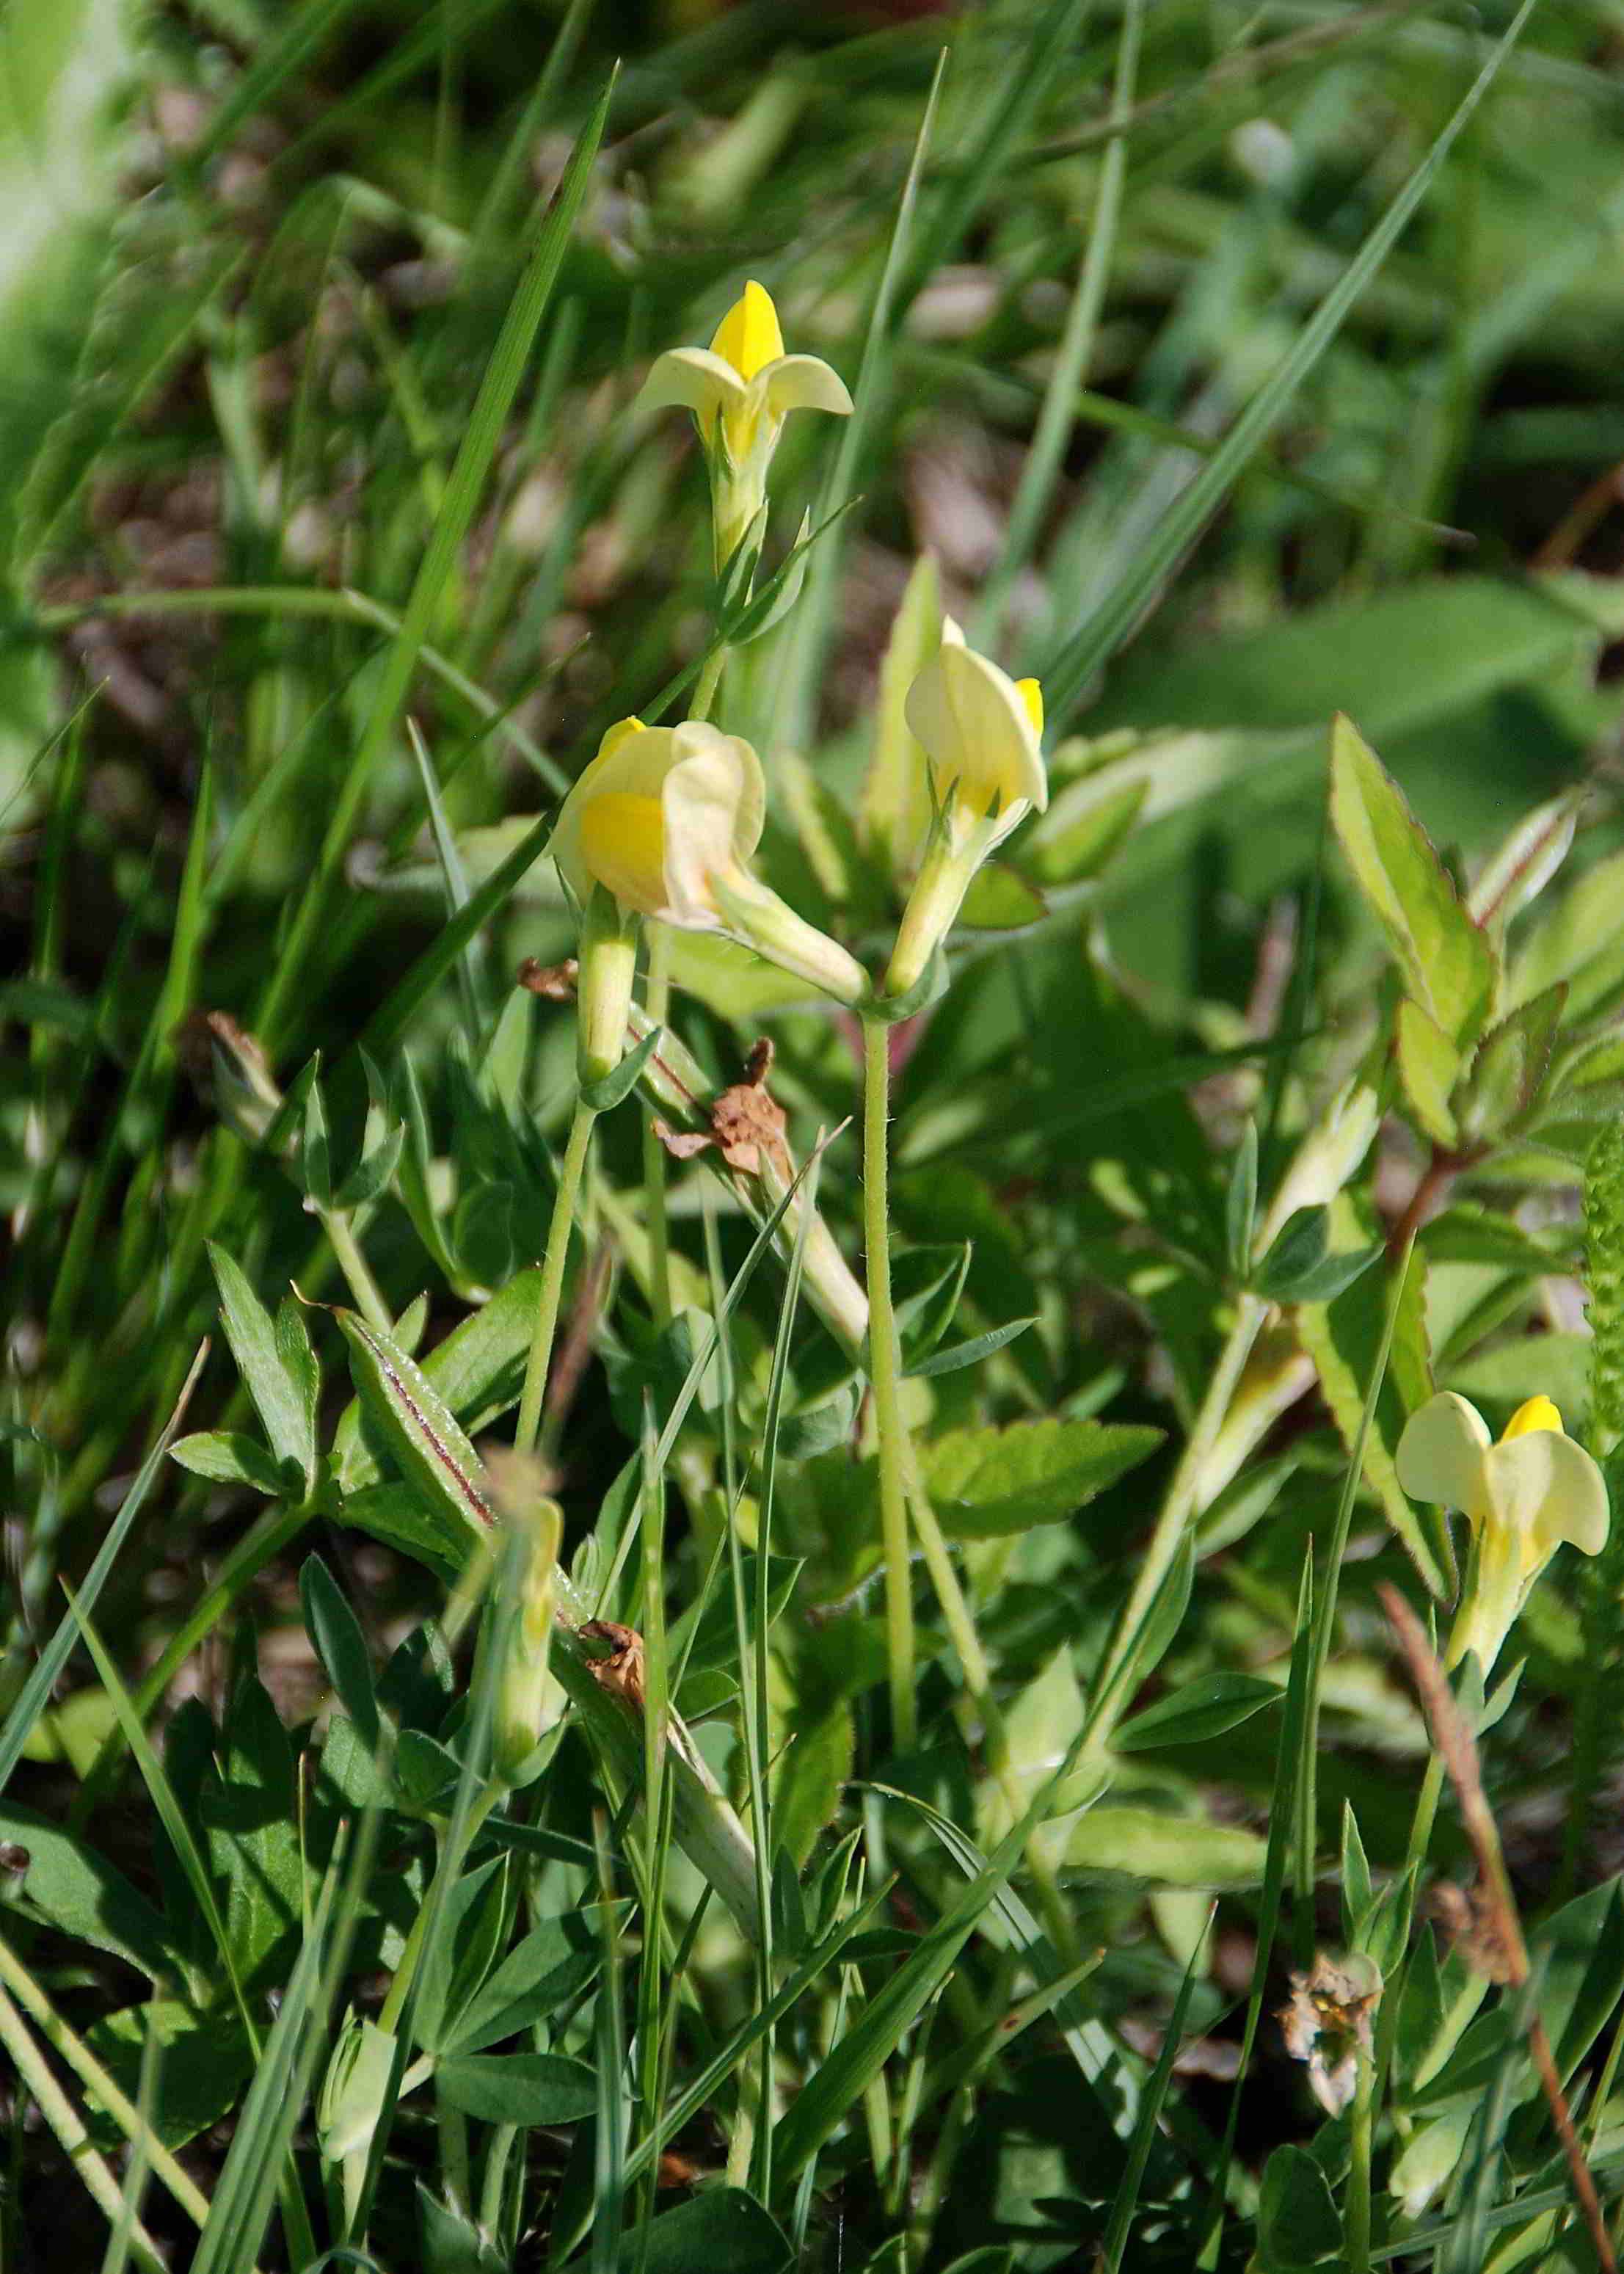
(741, 389)
(1523, 1498)
(982, 735)
(663, 824)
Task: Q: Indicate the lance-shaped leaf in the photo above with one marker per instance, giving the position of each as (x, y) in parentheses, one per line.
(1448, 963)
(422, 1435)
(1429, 1066)
(281, 1395)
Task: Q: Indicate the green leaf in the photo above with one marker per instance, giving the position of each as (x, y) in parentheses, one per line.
(340, 1646)
(452, 2243)
(228, 1458)
(422, 1433)
(1429, 1066)
(202, 2065)
(724, 2231)
(280, 1400)
(399, 1516)
(962, 1354)
(469, 1932)
(1203, 1708)
(603, 1097)
(371, 1175)
(316, 1149)
(811, 1779)
(253, 1816)
(1448, 963)
(74, 1889)
(1169, 1851)
(523, 2089)
(548, 1969)
(1298, 2224)
(478, 1370)
(1508, 1072)
(988, 1482)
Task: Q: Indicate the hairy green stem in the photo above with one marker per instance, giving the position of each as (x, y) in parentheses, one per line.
(885, 1367)
(540, 1361)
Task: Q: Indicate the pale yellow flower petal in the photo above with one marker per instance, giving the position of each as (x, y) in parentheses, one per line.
(692, 379)
(714, 803)
(749, 336)
(978, 731)
(1440, 1454)
(803, 382)
(1547, 1490)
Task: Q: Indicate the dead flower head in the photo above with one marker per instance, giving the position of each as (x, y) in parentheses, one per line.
(1329, 2021)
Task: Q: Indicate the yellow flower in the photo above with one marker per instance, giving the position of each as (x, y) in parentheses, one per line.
(981, 733)
(741, 389)
(1523, 1497)
(663, 822)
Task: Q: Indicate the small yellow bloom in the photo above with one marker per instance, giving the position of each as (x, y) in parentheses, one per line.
(1523, 1497)
(741, 389)
(664, 820)
(982, 735)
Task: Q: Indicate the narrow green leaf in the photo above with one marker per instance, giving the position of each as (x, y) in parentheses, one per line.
(280, 1401)
(1203, 1708)
(1447, 961)
(962, 1354)
(340, 1644)
(603, 1097)
(422, 1433)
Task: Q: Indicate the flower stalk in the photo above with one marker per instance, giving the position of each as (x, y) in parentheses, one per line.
(885, 1369)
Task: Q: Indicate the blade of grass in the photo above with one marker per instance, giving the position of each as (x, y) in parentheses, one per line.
(479, 446)
(1038, 475)
(1325, 1617)
(814, 613)
(34, 1694)
(1070, 670)
(1145, 2124)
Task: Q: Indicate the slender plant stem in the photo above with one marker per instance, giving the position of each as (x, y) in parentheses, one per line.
(1181, 1503)
(358, 1271)
(885, 1365)
(540, 1360)
(34, 2073)
(1356, 2224)
(131, 2122)
(659, 998)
